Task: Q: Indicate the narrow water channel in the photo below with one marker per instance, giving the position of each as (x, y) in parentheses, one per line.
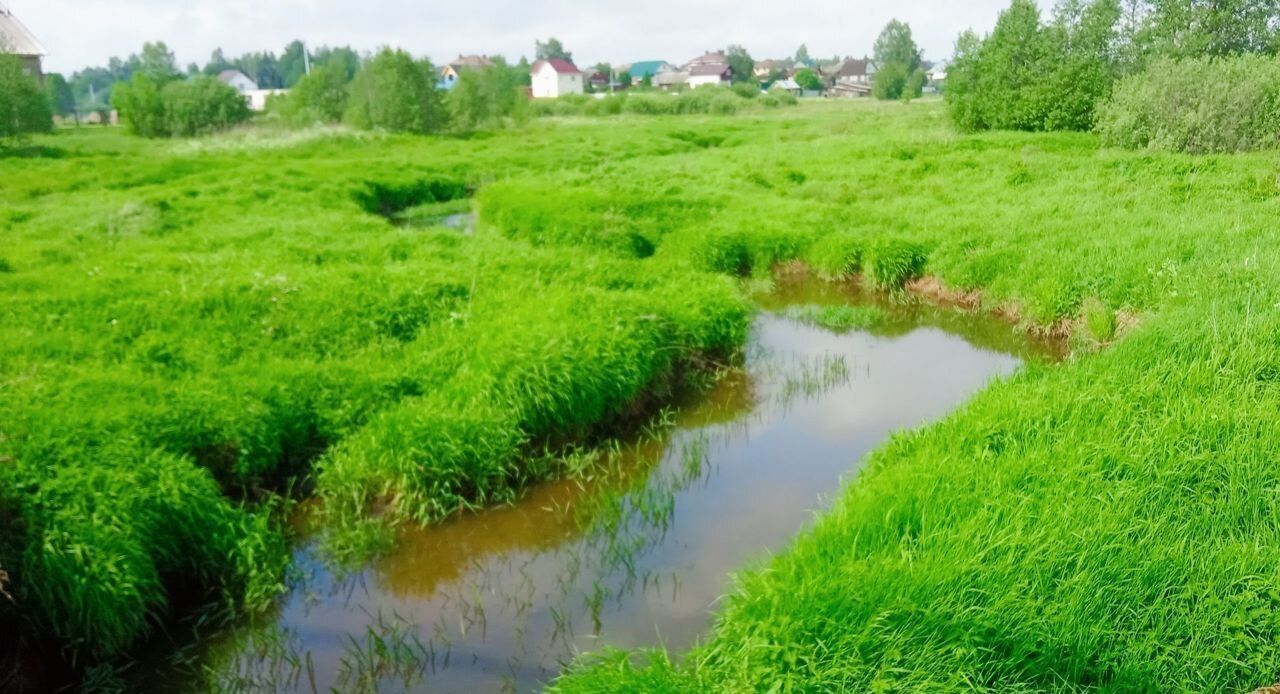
(639, 554)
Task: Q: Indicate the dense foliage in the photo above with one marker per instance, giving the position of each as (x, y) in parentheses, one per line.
(551, 49)
(396, 93)
(24, 108)
(1182, 105)
(61, 101)
(321, 97)
(808, 79)
(92, 87)
(201, 105)
(897, 57)
(1029, 75)
(488, 96)
(1032, 76)
(1196, 28)
(741, 63)
(154, 108)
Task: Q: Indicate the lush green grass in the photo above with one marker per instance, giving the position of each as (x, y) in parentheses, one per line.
(187, 326)
(1106, 523)
(187, 329)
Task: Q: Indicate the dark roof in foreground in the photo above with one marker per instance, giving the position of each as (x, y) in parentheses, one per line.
(15, 37)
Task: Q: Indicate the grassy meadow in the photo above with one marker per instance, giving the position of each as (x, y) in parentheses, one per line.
(194, 332)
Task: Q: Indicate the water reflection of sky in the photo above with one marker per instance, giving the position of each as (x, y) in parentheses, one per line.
(507, 595)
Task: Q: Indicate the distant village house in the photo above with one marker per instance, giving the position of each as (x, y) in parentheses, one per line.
(556, 78)
(764, 69)
(849, 77)
(709, 58)
(715, 74)
(450, 73)
(253, 96)
(15, 38)
(646, 70)
(787, 85)
(671, 80)
(238, 80)
(599, 82)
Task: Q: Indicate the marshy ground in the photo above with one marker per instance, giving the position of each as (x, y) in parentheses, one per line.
(194, 333)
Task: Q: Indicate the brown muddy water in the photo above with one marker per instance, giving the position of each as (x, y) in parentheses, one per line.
(640, 553)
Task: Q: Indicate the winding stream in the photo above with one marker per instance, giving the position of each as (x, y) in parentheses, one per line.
(639, 554)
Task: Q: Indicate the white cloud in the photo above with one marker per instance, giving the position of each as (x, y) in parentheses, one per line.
(79, 33)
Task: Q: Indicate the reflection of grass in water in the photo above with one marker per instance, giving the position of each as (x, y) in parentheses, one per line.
(270, 658)
(841, 319)
(390, 649)
(633, 487)
(812, 378)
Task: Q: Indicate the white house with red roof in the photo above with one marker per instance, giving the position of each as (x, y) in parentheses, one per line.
(555, 78)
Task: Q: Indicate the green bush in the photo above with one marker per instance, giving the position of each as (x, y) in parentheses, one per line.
(200, 106)
(611, 105)
(394, 92)
(1197, 105)
(141, 106)
(779, 97)
(897, 81)
(649, 104)
(320, 97)
(746, 90)
(23, 107)
(1031, 76)
(714, 100)
(488, 96)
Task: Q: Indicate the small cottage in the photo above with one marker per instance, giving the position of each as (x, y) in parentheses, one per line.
(767, 68)
(671, 80)
(254, 97)
(599, 82)
(849, 71)
(450, 73)
(646, 69)
(17, 39)
(709, 58)
(556, 78)
(238, 80)
(787, 85)
(715, 74)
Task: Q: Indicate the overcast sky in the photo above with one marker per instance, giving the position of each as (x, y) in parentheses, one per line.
(79, 33)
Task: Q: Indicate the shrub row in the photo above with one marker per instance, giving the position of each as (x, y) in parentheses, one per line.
(704, 100)
(1197, 105)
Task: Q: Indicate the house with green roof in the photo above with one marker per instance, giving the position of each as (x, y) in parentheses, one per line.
(646, 68)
